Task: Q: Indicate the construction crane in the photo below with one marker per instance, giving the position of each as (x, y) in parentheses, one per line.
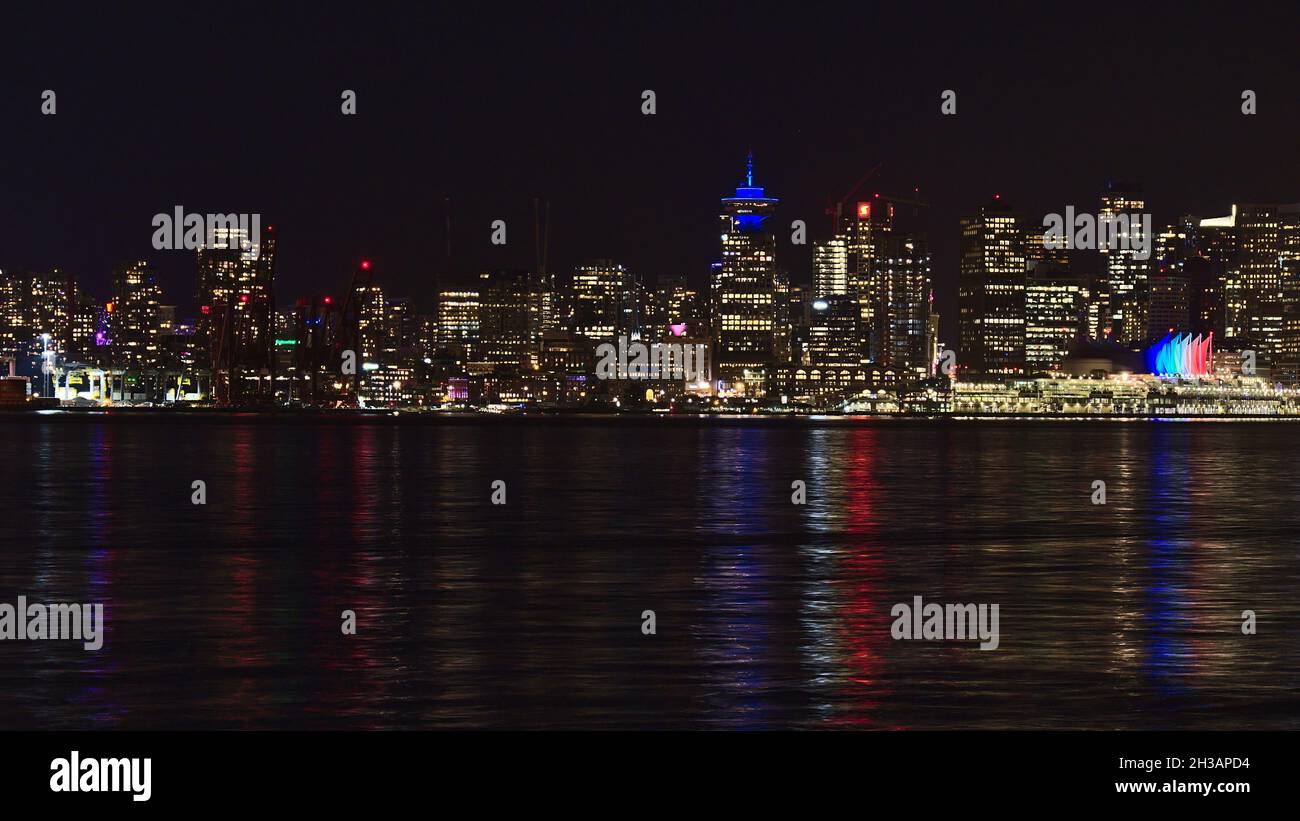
(835, 210)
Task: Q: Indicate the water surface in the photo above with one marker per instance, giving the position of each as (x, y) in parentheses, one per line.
(768, 614)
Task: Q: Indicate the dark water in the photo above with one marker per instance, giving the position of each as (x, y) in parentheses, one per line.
(769, 615)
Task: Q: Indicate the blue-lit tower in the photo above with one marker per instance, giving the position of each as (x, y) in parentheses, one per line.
(744, 291)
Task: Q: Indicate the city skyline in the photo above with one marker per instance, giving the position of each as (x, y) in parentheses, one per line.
(1093, 260)
(376, 185)
(867, 322)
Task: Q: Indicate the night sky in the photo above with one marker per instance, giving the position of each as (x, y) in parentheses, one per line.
(236, 108)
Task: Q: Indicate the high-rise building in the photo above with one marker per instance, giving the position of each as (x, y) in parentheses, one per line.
(402, 331)
(744, 303)
(900, 296)
(133, 316)
(832, 340)
(1259, 272)
(511, 313)
(1168, 306)
(831, 268)
(1123, 287)
(1288, 345)
(372, 329)
(236, 274)
(1055, 302)
(676, 303)
(1214, 249)
(457, 318)
(604, 297)
(991, 292)
(36, 310)
(864, 237)
(90, 331)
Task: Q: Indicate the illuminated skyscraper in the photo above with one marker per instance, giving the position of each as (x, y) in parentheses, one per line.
(744, 304)
(31, 304)
(677, 303)
(1213, 252)
(512, 306)
(864, 237)
(830, 268)
(90, 331)
(133, 318)
(991, 292)
(1055, 303)
(833, 333)
(900, 278)
(604, 298)
(371, 327)
(236, 275)
(457, 320)
(1260, 272)
(1122, 291)
(1288, 345)
(1168, 306)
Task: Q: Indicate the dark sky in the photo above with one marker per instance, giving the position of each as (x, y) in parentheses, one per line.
(235, 108)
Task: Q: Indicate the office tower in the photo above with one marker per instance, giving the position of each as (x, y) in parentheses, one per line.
(133, 316)
(831, 268)
(12, 314)
(1122, 292)
(1215, 248)
(991, 292)
(900, 273)
(457, 318)
(372, 329)
(676, 303)
(832, 337)
(1259, 273)
(604, 297)
(1168, 305)
(1056, 302)
(744, 305)
(1288, 346)
(32, 304)
(89, 329)
(781, 317)
(400, 330)
(36, 311)
(800, 299)
(863, 236)
(236, 275)
(1040, 251)
(511, 312)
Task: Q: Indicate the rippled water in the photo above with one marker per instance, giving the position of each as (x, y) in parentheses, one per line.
(769, 614)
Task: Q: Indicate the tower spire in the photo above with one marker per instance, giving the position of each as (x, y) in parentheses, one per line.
(749, 169)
